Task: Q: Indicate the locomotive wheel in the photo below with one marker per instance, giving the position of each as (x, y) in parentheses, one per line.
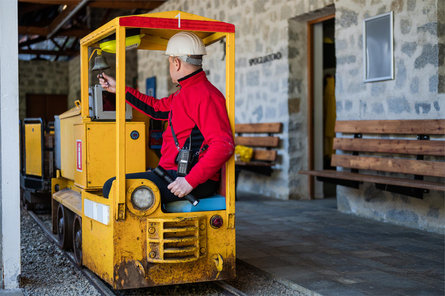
(64, 227)
(25, 203)
(77, 239)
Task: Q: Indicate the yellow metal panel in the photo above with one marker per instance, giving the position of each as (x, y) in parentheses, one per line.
(100, 33)
(100, 166)
(97, 242)
(33, 149)
(213, 38)
(230, 104)
(120, 123)
(98, 150)
(67, 142)
(84, 80)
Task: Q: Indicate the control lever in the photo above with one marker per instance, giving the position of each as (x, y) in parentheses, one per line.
(163, 174)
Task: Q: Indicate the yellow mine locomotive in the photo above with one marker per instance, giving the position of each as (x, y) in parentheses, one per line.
(37, 162)
(131, 239)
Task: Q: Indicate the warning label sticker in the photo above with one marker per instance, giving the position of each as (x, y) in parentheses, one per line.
(79, 155)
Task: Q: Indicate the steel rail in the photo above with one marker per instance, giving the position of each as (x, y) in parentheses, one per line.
(229, 288)
(101, 287)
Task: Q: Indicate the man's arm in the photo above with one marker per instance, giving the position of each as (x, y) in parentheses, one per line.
(156, 109)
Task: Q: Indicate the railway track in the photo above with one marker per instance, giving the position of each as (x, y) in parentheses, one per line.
(102, 287)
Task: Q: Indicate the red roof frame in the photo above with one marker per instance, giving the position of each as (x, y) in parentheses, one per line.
(167, 23)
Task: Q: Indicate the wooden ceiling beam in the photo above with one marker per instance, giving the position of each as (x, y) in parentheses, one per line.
(24, 9)
(62, 49)
(148, 5)
(32, 41)
(116, 4)
(49, 52)
(31, 30)
(43, 31)
(60, 17)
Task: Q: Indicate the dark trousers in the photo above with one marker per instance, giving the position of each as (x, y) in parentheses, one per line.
(203, 190)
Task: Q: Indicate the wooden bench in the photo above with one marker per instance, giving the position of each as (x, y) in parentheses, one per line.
(414, 149)
(262, 137)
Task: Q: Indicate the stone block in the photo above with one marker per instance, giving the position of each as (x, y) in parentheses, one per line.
(339, 106)
(397, 5)
(414, 86)
(411, 5)
(258, 113)
(423, 108)
(253, 78)
(346, 18)
(428, 28)
(294, 105)
(429, 55)
(398, 105)
(349, 59)
(401, 74)
(378, 89)
(405, 26)
(404, 216)
(433, 83)
(377, 108)
(409, 48)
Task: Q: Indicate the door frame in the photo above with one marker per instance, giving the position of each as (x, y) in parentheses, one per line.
(310, 97)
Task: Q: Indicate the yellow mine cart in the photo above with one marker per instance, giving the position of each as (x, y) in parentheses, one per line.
(124, 245)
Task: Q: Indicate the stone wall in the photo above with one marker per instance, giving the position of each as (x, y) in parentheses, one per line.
(264, 92)
(41, 77)
(415, 93)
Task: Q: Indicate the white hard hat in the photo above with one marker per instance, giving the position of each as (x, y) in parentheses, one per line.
(184, 44)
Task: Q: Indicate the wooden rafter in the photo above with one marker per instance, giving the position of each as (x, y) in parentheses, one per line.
(43, 31)
(62, 49)
(114, 4)
(49, 52)
(60, 17)
(55, 28)
(32, 41)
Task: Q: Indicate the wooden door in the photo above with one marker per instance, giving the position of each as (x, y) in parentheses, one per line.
(45, 106)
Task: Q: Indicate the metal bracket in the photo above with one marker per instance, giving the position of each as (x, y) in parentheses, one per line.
(342, 182)
(413, 192)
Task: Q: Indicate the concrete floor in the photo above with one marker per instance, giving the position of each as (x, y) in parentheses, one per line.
(312, 245)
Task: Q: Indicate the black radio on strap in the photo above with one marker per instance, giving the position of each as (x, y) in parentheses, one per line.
(174, 135)
(184, 157)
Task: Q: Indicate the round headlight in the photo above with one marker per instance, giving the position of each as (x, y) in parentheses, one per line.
(142, 198)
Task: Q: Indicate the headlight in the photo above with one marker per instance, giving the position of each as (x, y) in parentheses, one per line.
(142, 198)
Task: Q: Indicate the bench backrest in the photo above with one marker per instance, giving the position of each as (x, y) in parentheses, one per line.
(253, 140)
(418, 144)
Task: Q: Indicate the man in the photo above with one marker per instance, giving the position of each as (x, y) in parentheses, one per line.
(197, 119)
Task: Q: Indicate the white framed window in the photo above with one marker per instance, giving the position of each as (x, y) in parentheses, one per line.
(378, 48)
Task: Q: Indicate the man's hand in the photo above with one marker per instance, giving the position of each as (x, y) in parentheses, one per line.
(180, 187)
(107, 82)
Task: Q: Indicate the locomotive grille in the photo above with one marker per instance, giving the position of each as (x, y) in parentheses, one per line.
(175, 240)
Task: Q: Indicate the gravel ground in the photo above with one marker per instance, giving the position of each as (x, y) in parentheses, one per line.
(46, 271)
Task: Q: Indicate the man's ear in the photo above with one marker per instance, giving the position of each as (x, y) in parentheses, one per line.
(177, 63)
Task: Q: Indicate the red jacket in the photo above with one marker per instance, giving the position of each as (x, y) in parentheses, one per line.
(197, 108)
